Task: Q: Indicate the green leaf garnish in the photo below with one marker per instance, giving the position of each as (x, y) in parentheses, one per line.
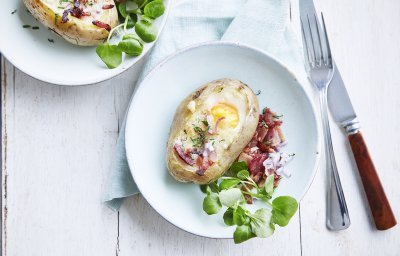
(228, 217)
(240, 216)
(154, 9)
(211, 204)
(146, 30)
(242, 233)
(269, 184)
(230, 193)
(230, 197)
(243, 175)
(228, 183)
(261, 223)
(203, 188)
(131, 7)
(131, 47)
(284, 207)
(111, 55)
(236, 167)
(122, 9)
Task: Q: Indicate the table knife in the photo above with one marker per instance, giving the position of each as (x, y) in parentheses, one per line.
(343, 113)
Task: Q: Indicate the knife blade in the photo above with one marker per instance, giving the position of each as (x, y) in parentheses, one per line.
(343, 113)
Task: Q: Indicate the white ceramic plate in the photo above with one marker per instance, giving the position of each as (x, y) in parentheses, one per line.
(59, 62)
(153, 107)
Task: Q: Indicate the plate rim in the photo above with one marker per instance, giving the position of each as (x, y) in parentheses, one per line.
(217, 43)
(76, 83)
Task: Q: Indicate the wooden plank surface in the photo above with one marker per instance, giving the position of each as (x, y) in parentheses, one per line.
(58, 144)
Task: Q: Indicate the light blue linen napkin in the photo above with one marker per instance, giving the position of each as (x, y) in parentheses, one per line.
(264, 24)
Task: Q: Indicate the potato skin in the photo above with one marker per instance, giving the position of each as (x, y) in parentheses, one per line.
(75, 30)
(186, 173)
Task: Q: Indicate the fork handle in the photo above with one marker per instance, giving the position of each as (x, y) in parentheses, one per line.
(378, 203)
(337, 215)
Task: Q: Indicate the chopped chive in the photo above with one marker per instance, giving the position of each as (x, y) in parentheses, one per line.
(50, 40)
(55, 18)
(258, 92)
(14, 11)
(26, 26)
(35, 27)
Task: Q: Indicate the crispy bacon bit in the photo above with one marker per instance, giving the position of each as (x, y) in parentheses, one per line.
(257, 177)
(265, 144)
(256, 164)
(203, 162)
(261, 133)
(267, 116)
(76, 12)
(102, 25)
(244, 157)
(185, 157)
(107, 6)
(264, 148)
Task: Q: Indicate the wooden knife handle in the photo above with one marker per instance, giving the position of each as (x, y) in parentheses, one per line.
(378, 203)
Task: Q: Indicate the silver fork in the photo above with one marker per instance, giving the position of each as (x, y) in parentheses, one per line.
(320, 71)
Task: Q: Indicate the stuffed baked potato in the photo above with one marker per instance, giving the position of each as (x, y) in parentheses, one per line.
(80, 22)
(210, 129)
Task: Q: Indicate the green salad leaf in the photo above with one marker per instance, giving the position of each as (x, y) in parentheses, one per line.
(211, 204)
(284, 207)
(146, 30)
(269, 184)
(230, 193)
(243, 174)
(137, 15)
(154, 9)
(242, 233)
(228, 217)
(236, 167)
(111, 55)
(131, 46)
(228, 183)
(261, 223)
(240, 216)
(230, 197)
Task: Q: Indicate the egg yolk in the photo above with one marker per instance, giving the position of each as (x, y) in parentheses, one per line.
(229, 113)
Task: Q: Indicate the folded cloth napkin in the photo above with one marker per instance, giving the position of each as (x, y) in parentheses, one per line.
(264, 24)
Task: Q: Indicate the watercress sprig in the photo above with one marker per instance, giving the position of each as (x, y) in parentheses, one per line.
(229, 192)
(138, 16)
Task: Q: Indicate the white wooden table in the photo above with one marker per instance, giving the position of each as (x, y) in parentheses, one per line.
(58, 144)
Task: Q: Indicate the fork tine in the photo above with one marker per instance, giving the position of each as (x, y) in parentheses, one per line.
(328, 48)
(314, 59)
(321, 56)
(305, 42)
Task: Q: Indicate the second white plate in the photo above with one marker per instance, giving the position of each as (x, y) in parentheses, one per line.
(60, 62)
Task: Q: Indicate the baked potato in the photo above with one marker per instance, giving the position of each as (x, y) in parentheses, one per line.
(210, 129)
(80, 22)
